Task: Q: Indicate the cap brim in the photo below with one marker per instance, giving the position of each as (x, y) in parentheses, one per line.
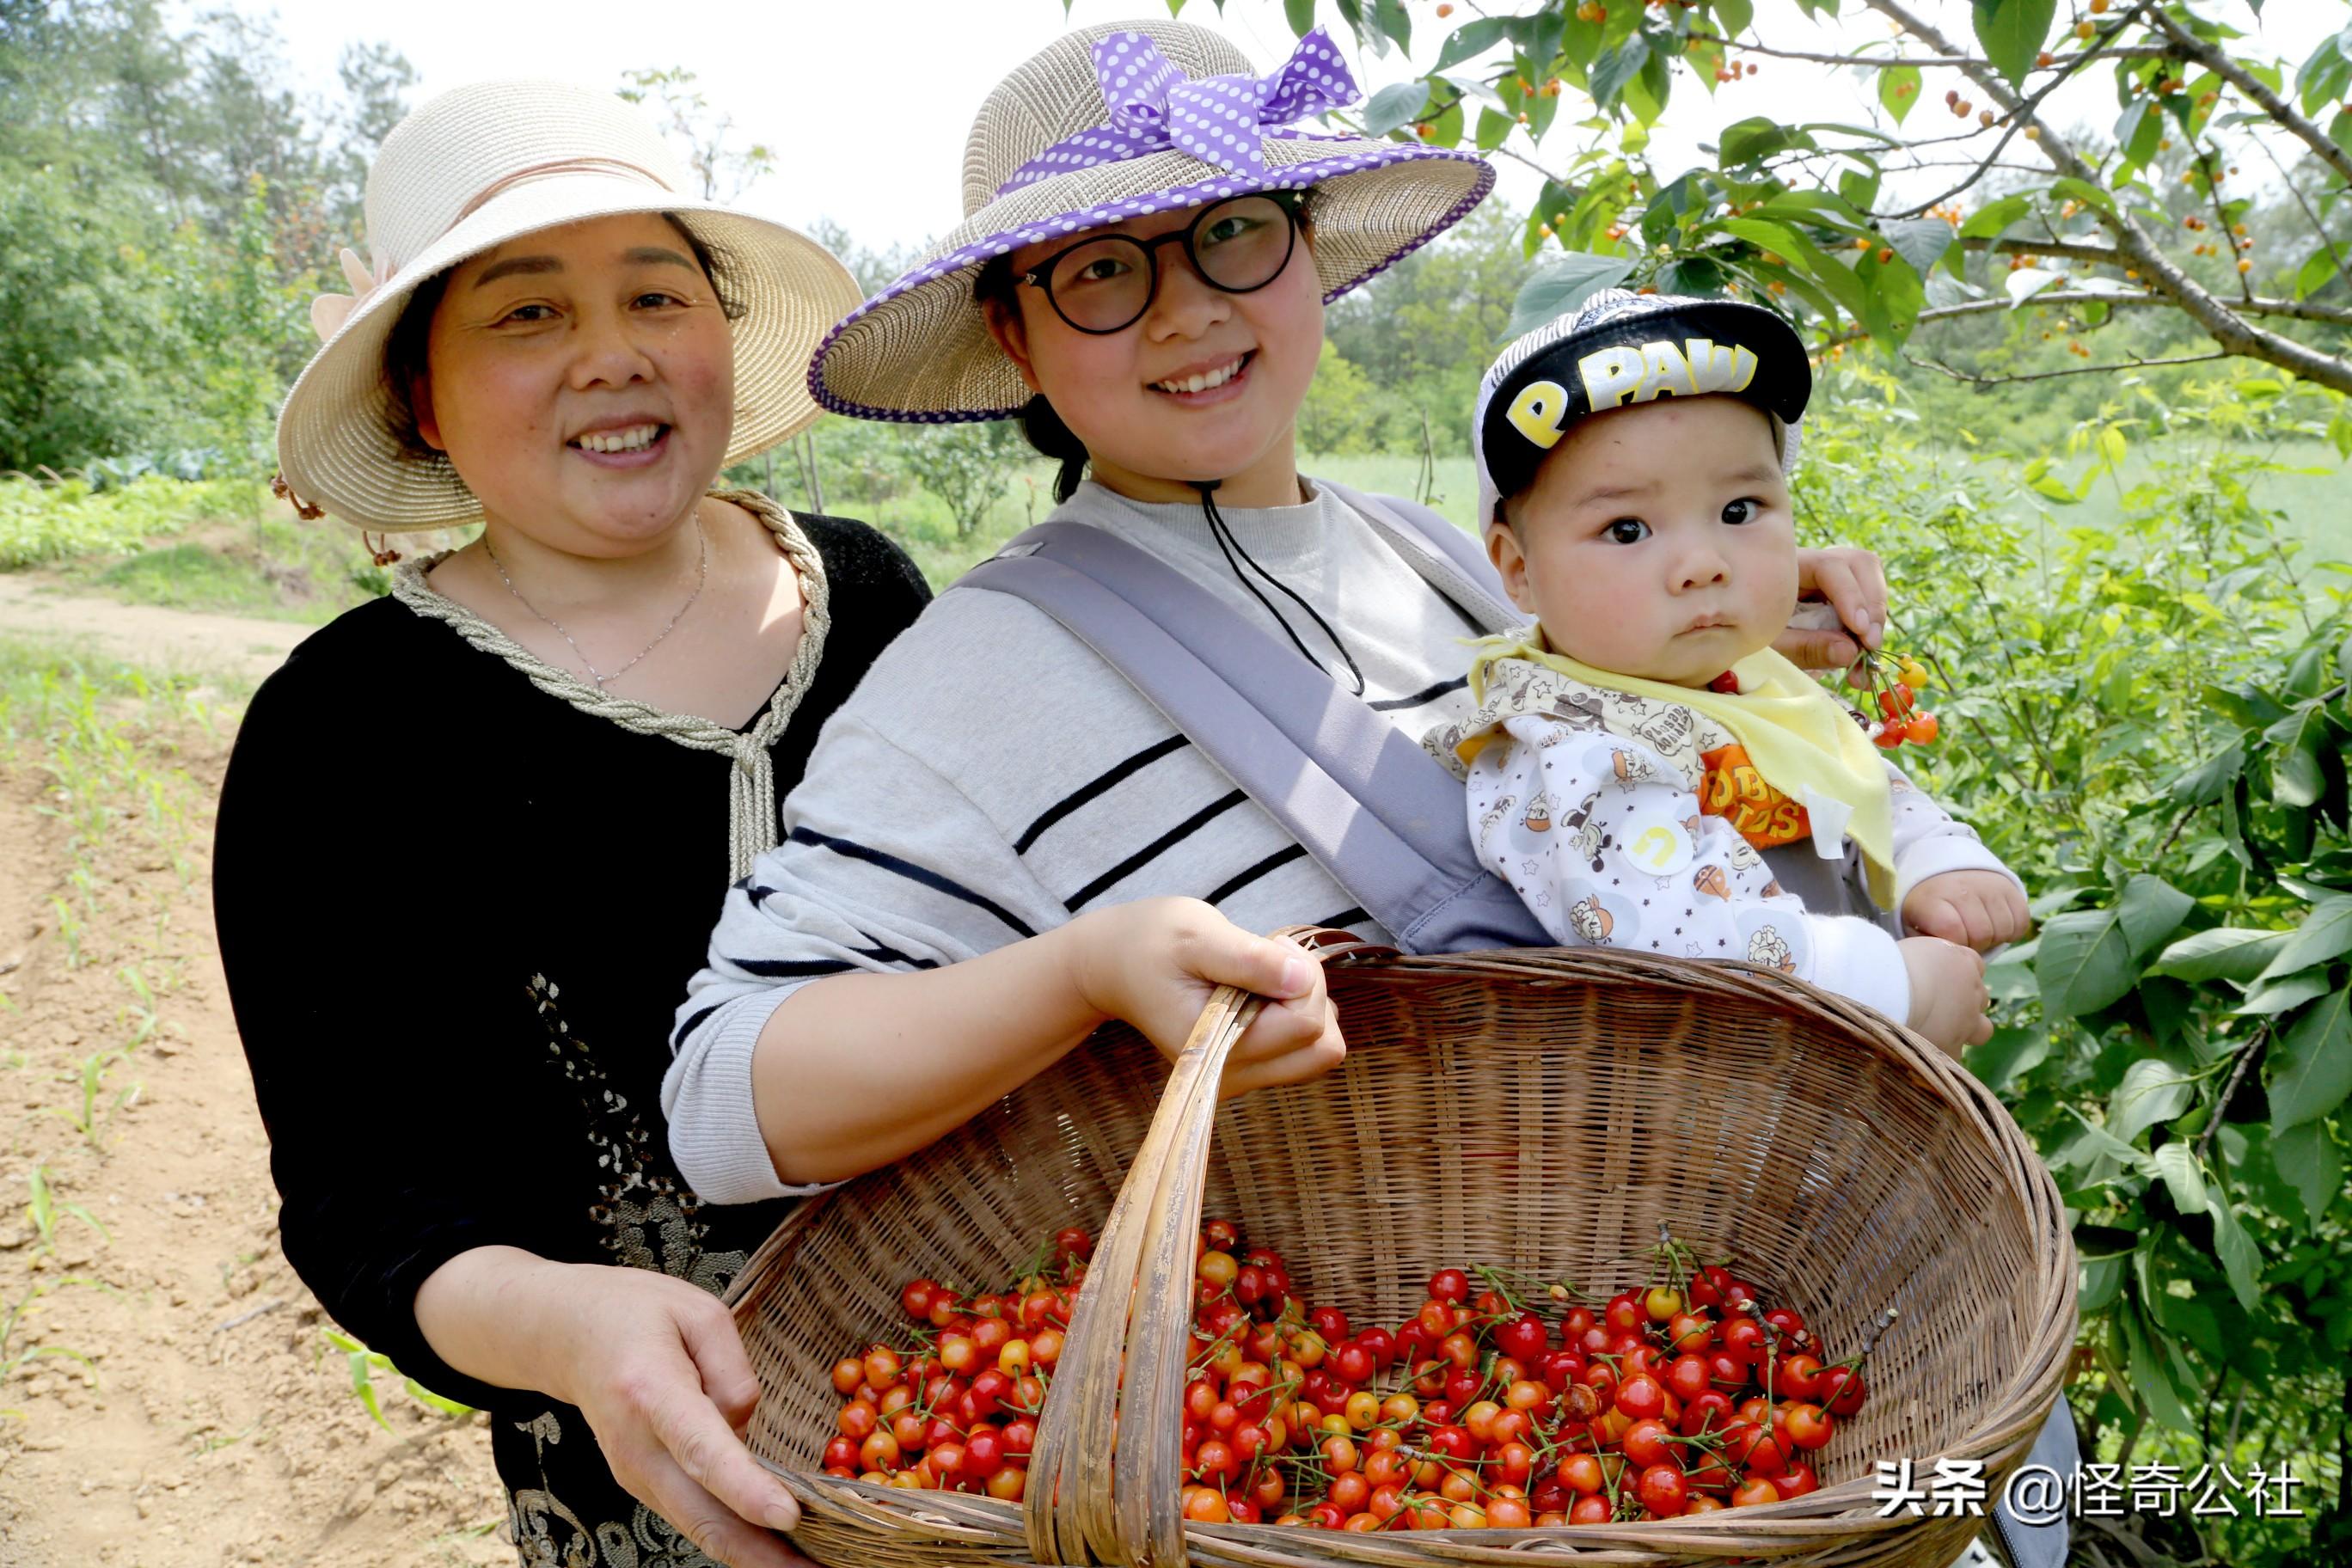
(335, 443)
(920, 351)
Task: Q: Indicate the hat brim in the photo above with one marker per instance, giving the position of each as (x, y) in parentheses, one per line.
(920, 351)
(336, 446)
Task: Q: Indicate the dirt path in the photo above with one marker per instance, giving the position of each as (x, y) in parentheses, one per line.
(211, 1423)
(148, 634)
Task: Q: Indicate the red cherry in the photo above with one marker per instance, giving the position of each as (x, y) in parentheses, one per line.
(1524, 1338)
(1449, 1285)
(1811, 1426)
(1665, 1490)
(1641, 1396)
(1842, 1391)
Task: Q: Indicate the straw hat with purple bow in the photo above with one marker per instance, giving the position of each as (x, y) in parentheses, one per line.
(476, 167)
(1120, 121)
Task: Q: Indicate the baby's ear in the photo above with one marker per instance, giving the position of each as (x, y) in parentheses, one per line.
(1510, 563)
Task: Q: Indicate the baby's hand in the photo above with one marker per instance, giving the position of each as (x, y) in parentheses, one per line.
(1975, 908)
(1950, 1003)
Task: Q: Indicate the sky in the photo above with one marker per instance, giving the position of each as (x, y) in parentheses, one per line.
(868, 102)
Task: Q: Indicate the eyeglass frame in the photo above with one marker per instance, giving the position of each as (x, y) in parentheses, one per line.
(1292, 201)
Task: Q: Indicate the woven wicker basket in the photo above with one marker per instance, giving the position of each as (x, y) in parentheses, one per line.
(1544, 1109)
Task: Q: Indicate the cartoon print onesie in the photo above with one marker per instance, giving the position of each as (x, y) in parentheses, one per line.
(1624, 821)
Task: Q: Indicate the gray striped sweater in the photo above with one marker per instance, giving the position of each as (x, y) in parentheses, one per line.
(992, 777)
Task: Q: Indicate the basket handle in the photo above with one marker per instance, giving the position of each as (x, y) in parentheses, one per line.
(1124, 1359)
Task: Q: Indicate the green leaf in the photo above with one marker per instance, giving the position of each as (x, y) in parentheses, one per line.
(2307, 1157)
(1494, 127)
(2139, 132)
(2013, 33)
(2209, 780)
(2311, 1066)
(2153, 1090)
(1753, 139)
(2027, 281)
(2326, 933)
(2084, 192)
(1991, 220)
(1561, 285)
(2177, 1163)
(2103, 1281)
(1616, 67)
(2086, 960)
(1300, 15)
(1898, 89)
(2009, 1052)
(2241, 1262)
(1392, 18)
(2317, 269)
(2225, 953)
(1921, 241)
(2296, 778)
(1735, 15)
(1472, 38)
(2266, 998)
(1395, 106)
(2151, 1379)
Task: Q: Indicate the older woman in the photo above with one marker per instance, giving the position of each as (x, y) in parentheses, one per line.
(458, 1047)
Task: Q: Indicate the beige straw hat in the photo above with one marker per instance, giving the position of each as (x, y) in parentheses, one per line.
(1117, 121)
(480, 165)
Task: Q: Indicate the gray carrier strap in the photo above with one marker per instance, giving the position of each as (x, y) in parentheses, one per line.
(1374, 810)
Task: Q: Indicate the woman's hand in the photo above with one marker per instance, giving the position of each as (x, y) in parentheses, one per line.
(654, 1363)
(1855, 587)
(1156, 963)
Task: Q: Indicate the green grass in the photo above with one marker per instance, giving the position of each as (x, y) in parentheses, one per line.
(271, 568)
(44, 524)
(2312, 499)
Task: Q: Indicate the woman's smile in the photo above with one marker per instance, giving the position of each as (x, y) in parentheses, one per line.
(627, 443)
(1218, 382)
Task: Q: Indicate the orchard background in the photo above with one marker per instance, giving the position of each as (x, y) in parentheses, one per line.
(2075, 276)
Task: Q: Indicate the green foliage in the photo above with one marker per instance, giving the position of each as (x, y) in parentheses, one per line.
(167, 207)
(2149, 721)
(366, 1363)
(1808, 216)
(40, 523)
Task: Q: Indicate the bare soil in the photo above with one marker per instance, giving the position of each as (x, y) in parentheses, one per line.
(211, 1422)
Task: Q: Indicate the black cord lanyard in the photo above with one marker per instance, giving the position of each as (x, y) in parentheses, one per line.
(1221, 532)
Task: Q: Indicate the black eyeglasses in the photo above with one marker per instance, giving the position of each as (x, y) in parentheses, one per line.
(1105, 284)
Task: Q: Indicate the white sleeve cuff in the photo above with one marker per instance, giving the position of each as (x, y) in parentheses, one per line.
(1942, 852)
(714, 1125)
(1857, 958)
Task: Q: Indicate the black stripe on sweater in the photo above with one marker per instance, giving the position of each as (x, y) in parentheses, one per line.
(1244, 879)
(694, 1022)
(1158, 847)
(913, 873)
(1345, 918)
(1427, 694)
(1093, 787)
(803, 968)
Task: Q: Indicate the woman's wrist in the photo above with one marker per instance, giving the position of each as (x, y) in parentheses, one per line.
(496, 1314)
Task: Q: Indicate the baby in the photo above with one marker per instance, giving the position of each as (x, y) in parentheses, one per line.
(1642, 768)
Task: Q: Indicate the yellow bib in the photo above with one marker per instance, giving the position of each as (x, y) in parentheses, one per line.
(1794, 734)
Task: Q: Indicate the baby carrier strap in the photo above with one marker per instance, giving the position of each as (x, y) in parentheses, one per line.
(1428, 527)
(1374, 810)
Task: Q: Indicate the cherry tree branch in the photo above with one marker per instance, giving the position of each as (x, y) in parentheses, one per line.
(1945, 62)
(2227, 327)
(2190, 46)
(2132, 363)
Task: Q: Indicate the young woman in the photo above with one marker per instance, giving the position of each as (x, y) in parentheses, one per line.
(1148, 246)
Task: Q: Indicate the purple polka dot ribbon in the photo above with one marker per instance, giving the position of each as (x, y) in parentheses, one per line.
(1220, 120)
